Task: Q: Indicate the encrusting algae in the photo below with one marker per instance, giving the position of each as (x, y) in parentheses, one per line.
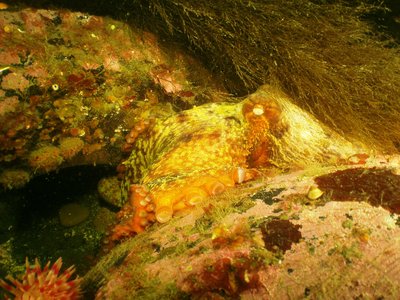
(72, 84)
(177, 162)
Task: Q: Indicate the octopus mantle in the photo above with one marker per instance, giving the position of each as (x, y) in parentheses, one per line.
(178, 162)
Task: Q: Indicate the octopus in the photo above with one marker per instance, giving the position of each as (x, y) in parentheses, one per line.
(178, 162)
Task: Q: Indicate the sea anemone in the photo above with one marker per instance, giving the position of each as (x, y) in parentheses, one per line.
(70, 146)
(14, 178)
(46, 158)
(46, 283)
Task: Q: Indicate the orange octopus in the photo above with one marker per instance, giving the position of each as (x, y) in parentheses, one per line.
(179, 161)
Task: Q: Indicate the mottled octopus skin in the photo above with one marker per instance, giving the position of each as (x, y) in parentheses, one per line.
(181, 160)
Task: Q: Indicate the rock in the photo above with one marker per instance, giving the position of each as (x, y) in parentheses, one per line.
(103, 219)
(73, 214)
(251, 247)
(110, 191)
(73, 85)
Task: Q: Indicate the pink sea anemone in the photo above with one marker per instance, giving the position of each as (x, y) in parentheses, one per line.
(46, 283)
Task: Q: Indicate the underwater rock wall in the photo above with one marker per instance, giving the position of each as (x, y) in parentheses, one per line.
(72, 85)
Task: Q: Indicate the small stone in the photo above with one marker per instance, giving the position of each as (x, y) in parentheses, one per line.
(103, 220)
(73, 214)
(109, 189)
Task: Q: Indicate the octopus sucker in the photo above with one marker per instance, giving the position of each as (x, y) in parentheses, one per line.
(178, 162)
(194, 196)
(214, 187)
(164, 214)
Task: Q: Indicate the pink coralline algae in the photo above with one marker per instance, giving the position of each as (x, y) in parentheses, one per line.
(14, 81)
(8, 105)
(8, 58)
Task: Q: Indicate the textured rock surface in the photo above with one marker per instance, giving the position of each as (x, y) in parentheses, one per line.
(267, 239)
(72, 85)
(72, 214)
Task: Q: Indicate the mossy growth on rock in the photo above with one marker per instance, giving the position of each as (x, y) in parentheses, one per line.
(327, 55)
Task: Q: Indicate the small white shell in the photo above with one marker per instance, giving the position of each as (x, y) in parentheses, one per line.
(314, 193)
(241, 174)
